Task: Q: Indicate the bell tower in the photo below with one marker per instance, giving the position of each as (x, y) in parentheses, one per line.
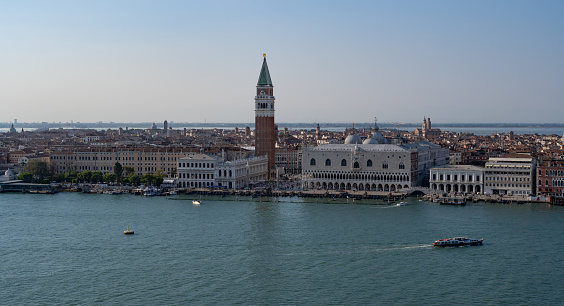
(265, 131)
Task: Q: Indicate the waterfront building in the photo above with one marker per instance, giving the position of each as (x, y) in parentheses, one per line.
(373, 165)
(457, 178)
(513, 174)
(265, 129)
(142, 160)
(289, 160)
(550, 178)
(203, 171)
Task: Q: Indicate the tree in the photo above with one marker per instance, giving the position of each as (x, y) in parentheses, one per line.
(128, 171)
(52, 171)
(26, 177)
(84, 176)
(148, 178)
(109, 177)
(96, 177)
(38, 169)
(134, 179)
(118, 171)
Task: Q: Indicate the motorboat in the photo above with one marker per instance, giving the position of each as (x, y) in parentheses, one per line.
(401, 203)
(457, 241)
(453, 201)
(128, 231)
(196, 202)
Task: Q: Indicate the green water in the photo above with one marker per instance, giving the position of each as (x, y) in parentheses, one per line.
(69, 248)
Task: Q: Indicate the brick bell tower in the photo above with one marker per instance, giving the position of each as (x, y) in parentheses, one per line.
(265, 134)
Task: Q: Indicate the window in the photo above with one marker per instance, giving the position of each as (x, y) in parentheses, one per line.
(356, 165)
(343, 163)
(402, 166)
(328, 162)
(312, 162)
(369, 163)
(385, 166)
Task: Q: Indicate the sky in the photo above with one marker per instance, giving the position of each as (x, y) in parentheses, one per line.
(330, 61)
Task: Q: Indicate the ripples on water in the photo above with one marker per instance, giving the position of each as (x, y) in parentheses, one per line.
(70, 249)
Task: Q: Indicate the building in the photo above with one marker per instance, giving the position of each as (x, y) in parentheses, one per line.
(204, 171)
(426, 131)
(551, 178)
(513, 174)
(265, 129)
(370, 165)
(457, 178)
(289, 160)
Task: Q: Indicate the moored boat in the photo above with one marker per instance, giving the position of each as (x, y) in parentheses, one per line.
(453, 201)
(128, 232)
(457, 241)
(196, 202)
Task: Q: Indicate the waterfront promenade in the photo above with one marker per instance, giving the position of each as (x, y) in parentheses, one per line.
(419, 192)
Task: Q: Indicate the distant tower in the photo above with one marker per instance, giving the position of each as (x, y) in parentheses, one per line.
(165, 129)
(265, 133)
(317, 132)
(429, 123)
(424, 127)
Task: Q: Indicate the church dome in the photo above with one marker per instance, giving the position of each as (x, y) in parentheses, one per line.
(353, 139)
(370, 140)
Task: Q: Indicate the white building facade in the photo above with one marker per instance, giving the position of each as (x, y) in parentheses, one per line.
(510, 175)
(203, 171)
(376, 167)
(457, 178)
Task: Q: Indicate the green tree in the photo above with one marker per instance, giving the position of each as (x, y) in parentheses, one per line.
(109, 177)
(134, 179)
(118, 171)
(96, 177)
(128, 171)
(84, 176)
(26, 177)
(148, 179)
(37, 168)
(60, 177)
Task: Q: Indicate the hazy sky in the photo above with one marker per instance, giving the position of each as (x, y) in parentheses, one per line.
(330, 61)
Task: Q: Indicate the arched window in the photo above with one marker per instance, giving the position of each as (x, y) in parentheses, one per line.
(343, 163)
(356, 165)
(385, 166)
(312, 162)
(402, 166)
(328, 162)
(369, 163)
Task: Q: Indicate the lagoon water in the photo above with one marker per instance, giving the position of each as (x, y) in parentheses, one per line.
(69, 248)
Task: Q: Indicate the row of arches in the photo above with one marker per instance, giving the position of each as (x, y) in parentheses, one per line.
(356, 164)
(457, 188)
(354, 186)
(401, 177)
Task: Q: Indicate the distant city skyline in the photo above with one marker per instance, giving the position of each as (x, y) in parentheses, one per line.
(184, 61)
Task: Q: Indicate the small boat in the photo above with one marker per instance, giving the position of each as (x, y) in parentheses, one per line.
(128, 232)
(453, 201)
(458, 241)
(401, 204)
(196, 202)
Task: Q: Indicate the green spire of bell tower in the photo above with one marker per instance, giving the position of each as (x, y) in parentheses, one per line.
(264, 77)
